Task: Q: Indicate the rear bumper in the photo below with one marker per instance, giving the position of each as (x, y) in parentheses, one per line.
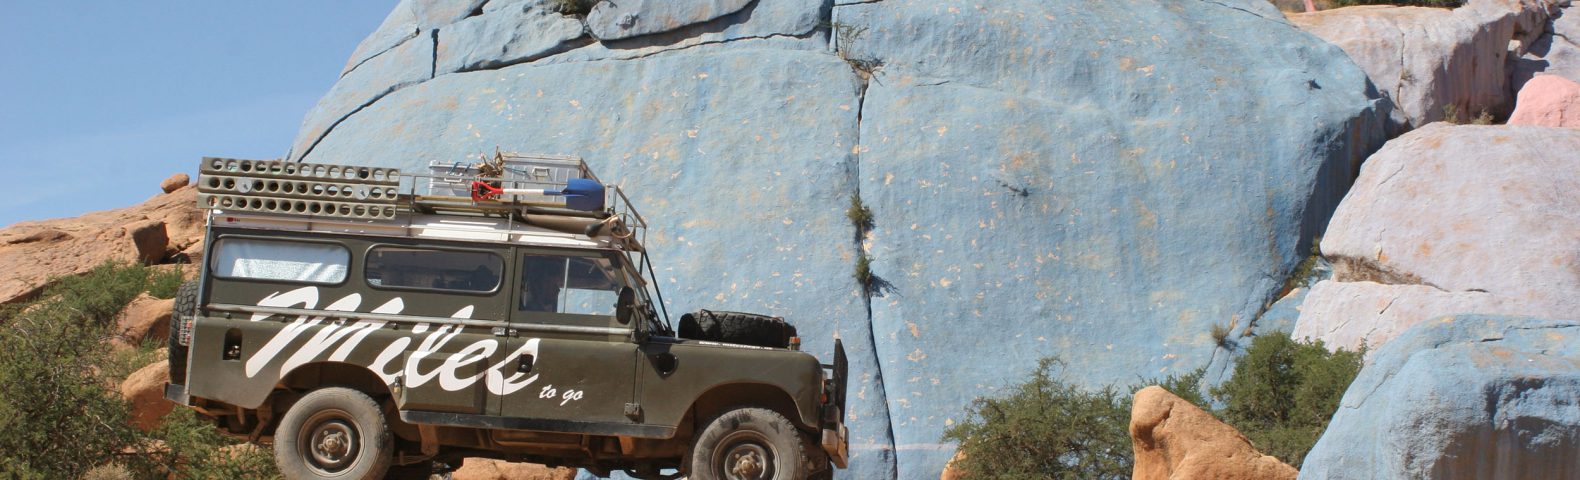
(836, 441)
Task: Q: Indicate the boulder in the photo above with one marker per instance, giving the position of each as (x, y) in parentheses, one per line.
(632, 18)
(1548, 101)
(34, 252)
(490, 469)
(1461, 397)
(174, 182)
(1043, 176)
(145, 391)
(522, 32)
(952, 469)
(1174, 439)
(144, 318)
(1555, 52)
(1432, 61)
(1430, 229)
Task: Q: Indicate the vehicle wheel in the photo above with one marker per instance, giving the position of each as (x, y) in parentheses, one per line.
(333, 433)
(748, 444)
(185, 306)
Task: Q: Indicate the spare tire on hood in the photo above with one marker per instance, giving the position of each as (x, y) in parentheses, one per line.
(738, 328)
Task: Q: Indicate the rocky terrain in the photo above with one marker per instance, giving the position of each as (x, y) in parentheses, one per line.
(1104, 182)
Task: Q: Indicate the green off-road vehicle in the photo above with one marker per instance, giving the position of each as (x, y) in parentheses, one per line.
(367, 330)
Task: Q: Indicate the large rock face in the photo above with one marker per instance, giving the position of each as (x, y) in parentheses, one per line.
(1430, 230)
(1461, 397)
(1433, 61)
(1174, 439)
(1555, 52)
(34, 252)
(1096, 180)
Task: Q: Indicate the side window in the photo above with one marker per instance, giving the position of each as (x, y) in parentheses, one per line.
(577, 285)
(430, 269)
(306, 262)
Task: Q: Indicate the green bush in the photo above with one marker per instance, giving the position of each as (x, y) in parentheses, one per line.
(1050, 428)
(1283, 393)
(60, 415)
(1281, 396)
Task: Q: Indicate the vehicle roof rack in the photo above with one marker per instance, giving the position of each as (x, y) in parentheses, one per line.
(535, 189)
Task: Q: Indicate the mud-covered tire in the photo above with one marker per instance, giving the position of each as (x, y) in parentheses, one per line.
(334, 433)
(185, 306)
(748, 443)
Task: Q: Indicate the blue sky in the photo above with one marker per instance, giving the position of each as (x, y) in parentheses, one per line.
(99, 101)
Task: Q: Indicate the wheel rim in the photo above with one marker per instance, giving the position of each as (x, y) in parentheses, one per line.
(329, 442)
(744, 455)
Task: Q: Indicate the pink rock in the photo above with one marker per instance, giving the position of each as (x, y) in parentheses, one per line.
(1548, 101)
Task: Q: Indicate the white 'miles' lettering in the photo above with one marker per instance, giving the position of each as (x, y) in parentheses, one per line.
(391, 307)
(280, 340)
(435, 341)
(498, 384)
(467, 356)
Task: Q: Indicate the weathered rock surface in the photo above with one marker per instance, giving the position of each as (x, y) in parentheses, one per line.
(489, 469)
(520, 32)
(1548, 101)
(36, 251)
(1555, 52)
(1451, 232)
(1461, 397)
(1044, 176)
(1174, 439)
(145, 317)
(145, 391)
(174, 182)
(632, 18)
(1426, 59)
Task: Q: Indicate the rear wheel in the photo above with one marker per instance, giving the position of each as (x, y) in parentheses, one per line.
(748, 444)
(333, 433)
(183, 310)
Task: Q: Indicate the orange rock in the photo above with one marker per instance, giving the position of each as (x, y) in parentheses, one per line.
(33, 252)
(1174, 439)
(490, 469)
(175, 182)
(952, 470)
(1548, 101)
(145, 390)
(145, 317)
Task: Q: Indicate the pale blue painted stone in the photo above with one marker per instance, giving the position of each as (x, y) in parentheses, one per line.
(405, 64)
(1101, 181)
(740, 158)
(1472, 396)
(633, 18)
(1098, 181)
(522, 32)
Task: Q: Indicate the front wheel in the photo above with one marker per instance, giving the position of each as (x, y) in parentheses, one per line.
(333, 433)
(748, 444)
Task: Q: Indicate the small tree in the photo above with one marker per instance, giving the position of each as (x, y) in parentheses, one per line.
(1284, 392)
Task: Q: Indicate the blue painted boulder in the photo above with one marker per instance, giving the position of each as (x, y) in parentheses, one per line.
(1101, 181)
(1471, 396)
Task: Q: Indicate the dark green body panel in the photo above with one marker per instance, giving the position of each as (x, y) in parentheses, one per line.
(470, 359)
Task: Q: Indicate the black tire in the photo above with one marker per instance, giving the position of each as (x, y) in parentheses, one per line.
(185, 306)
(334, 433)
(739, 328)
(748, 443)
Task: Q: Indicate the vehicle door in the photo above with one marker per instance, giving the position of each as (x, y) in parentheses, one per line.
(573, 361)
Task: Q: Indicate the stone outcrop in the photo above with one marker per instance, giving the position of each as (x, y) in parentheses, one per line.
(174, 182)
(1548, 101)
(144, 318)
(1174, 439)
(145, 391)
(490, 469)
(1043, 174)
(1430, 230)
(36, 251)
(1432, 61)
(1460, 397)
(1555, 52)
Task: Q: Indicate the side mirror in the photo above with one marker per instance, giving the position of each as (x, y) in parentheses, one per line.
(625, 306)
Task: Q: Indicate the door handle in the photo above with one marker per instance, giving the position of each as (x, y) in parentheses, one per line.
(526, 364)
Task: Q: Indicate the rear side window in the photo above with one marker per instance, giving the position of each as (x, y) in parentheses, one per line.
(306, 262)
(430, 269)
